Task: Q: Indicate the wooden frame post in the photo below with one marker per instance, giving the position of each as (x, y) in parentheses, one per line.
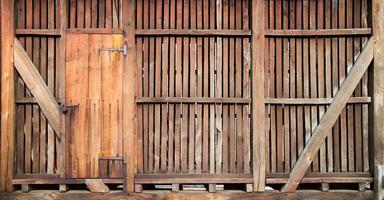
(258, 106)
(7, 95)
(378, 83)
(62, 143)
(129, 69)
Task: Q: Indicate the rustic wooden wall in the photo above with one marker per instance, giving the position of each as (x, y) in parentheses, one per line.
(185, 134)
(194, 87)
(36, 148)
(314, 67)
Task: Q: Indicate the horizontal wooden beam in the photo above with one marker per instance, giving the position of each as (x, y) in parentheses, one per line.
(95, 31)
(328, 120)
(38, 32)
(37, 86)
(322, 180)
(206, 100)
(192, 178)
(29, 100)
(42, 181)
(192, 32)
(315, 101)
(319, 32)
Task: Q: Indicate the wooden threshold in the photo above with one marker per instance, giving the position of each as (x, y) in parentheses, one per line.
(319, 32)
(192, 32)
(315, 101)
(192, 178)
(210, 100)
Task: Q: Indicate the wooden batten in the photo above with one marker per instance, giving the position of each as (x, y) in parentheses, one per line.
(7, 95)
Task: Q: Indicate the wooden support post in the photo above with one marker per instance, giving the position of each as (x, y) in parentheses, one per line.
(212, 188)
(379, 169)
(325, 187)
(61, 150)
(378, 88)
(25, 188)
(7, 95)
(328, 120)
(248, 187)
(362, 187)
(129, 69)
(63, 188)
(258, 107)
(175, 187)
(138, 188)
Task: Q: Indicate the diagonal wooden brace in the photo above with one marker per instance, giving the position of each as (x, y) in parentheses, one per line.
(37, 86)
(328, 120)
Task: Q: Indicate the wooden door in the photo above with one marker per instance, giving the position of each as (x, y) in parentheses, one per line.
(94, 83)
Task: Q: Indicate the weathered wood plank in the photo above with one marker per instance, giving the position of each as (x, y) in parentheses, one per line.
(7, 95)
(37, 86)
(128, 24)
(258, 156)
(330, 117)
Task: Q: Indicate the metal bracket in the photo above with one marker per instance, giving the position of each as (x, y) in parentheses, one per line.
(124, 49)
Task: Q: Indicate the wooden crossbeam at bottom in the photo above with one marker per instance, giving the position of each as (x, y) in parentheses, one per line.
(329, 118)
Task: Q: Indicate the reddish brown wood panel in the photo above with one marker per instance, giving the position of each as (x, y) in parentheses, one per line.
(192, 137)
(315, 67)
(35, 138)
(94, 84)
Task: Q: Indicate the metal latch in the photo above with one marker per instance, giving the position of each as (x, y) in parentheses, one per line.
(124, 49)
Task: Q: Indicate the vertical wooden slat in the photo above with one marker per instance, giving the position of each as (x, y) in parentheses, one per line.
(335, 86)
(157, 78)
(238, 90)
(7, 96)
(165, 86)
(171, 111)
(285, 88)
(219, 93)
(328, 79)
(321, 78)
(185, 88)
(225, 90)
(212, 88)
(192, 90)
(292, 83)
(258, 95)
(342, 74)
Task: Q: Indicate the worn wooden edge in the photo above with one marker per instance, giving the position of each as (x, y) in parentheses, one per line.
(192, 32)
(210, 100)
(7, 126)
(315, 101)
(62, 181)
(94, 31)
(319, 32)
(38, 32)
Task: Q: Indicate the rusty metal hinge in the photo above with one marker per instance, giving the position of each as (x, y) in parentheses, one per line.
(123, 49)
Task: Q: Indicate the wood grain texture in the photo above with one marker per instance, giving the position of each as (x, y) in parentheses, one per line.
(7, 96)
(330, 117)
